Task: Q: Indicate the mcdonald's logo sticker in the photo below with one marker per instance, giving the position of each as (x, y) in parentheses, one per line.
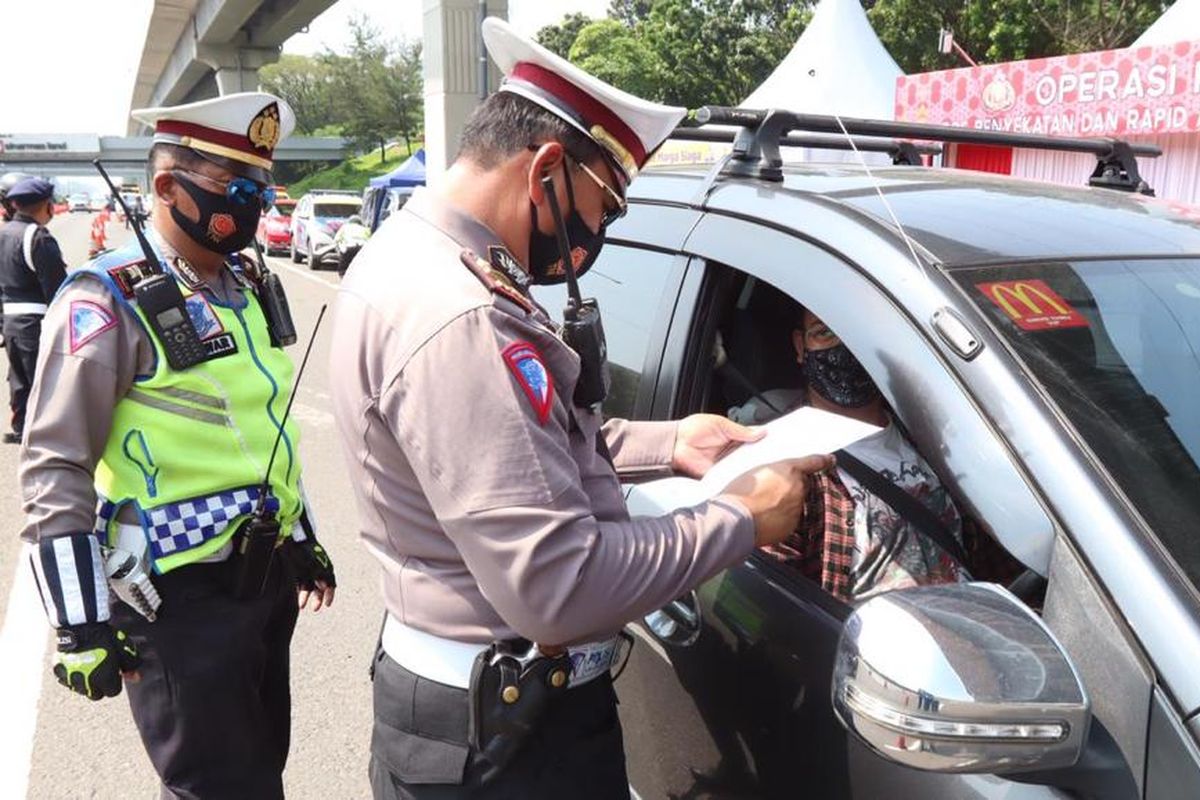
(1032, 305)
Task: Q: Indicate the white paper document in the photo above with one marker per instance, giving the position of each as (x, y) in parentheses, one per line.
(805, 431)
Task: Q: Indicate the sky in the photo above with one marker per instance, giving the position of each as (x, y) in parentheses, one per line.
(76, 59)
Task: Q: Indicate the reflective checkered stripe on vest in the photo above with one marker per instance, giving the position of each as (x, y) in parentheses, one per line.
(189, 448)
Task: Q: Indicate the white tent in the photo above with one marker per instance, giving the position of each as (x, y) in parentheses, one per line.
(1179, 23)
(837, 66)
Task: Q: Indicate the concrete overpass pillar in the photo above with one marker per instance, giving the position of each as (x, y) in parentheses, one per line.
(236, 68)
(452, 50)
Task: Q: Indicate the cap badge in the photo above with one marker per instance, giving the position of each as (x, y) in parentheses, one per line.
(264, 128)
(618, 150)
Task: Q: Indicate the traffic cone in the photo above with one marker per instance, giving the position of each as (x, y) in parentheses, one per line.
(97, 237)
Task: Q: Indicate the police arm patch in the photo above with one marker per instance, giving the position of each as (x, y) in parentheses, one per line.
(526, 365)
(88, 321)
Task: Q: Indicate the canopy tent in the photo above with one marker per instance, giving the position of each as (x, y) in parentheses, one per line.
(837, 66)
(410, 173)
(1180, 22)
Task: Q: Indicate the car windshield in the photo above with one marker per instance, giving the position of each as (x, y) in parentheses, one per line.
(282, 209)
(1116, 344)
(334, 210)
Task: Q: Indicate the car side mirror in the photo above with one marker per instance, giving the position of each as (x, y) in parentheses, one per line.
(959, 678)
(354, 219)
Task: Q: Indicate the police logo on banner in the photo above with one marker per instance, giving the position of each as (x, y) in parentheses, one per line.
(526, 365)
(88, 321)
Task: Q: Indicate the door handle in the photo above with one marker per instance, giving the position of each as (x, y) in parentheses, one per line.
(678, 622)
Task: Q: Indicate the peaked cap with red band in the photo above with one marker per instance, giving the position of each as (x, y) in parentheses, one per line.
(238, 131)
(628, 129)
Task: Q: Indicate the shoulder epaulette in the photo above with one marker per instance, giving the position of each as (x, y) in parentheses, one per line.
(494, 280)
(126, 275)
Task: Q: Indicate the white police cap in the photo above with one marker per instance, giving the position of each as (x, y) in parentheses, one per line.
(628, 129)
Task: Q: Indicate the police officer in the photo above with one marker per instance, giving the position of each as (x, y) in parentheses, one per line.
(7, 181)
(160, 394)
(488, 486)
(31, 270)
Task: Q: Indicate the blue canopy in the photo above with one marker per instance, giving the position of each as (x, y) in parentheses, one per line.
(410, 173)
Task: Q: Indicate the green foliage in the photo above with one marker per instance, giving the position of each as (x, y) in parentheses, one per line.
(1006, 30)
(354, 173)
(559, 38)
(371, 94)
(614, 54)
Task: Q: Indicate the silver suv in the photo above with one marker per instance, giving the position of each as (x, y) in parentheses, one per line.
(1039, 345)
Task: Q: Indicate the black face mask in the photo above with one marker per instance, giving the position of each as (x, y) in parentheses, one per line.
(223, 227)
(545, 261)
(835, 374)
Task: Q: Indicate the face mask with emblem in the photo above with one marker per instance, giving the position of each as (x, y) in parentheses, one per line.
(835, 374)
(225, 225)
(545, 256)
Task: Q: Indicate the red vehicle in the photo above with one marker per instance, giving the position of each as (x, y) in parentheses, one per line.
(275, 226)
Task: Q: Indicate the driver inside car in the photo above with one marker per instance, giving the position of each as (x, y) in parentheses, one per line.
(851, 540)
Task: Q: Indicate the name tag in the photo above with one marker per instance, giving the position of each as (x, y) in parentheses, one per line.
(590, 661)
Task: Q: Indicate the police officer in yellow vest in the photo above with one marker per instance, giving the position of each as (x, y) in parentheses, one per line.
(160, 394)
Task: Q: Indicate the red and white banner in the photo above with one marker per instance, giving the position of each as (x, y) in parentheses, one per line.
(1138, 91)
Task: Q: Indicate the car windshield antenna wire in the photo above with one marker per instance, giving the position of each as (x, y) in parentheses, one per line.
(882, 198)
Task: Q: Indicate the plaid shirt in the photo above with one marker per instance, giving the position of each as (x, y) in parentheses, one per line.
(822, 547)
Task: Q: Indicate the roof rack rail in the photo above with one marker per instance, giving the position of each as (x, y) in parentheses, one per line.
(756, 146)
(902, 152)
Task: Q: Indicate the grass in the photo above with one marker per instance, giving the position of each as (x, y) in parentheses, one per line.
(353, 173)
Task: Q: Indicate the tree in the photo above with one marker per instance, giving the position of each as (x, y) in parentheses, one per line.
(1007, 30)
(306, 84)
(611, 52)
(559, 38)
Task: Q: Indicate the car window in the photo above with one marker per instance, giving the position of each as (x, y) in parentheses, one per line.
(334, 210)
(1115, 344)
(942, 421)
(628, 283)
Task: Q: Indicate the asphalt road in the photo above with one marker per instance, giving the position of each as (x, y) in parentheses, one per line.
(60, 746)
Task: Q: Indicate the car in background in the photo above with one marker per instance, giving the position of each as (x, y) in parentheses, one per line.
(349, 240)
(99, 202)
(315, 222)
(1038, 345)
(79, 202)
(380, 202)
(275, 226)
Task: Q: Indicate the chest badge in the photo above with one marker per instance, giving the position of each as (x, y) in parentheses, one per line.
(526, 365)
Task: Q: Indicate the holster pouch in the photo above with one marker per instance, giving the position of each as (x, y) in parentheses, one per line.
(253, 548)
(512, 685)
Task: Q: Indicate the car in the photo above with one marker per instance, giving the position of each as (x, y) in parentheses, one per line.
(380, 202)
(99, 202)
(316, 220)
(79, 202)
(275, 226)
(348, 240)
(1037, 343)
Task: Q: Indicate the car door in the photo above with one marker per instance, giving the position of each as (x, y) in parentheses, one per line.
(727, 693)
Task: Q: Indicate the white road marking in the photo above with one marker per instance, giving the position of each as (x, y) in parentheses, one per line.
(23, 648)
(307, 274)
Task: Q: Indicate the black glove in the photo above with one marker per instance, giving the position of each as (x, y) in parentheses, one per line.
(91, 658)
(309, 563)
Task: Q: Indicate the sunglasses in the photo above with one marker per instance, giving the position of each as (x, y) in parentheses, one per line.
(611, 215)
(239, 191)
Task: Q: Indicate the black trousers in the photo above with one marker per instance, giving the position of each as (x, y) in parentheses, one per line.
(21, 334)
(213, 706)
(419, 747)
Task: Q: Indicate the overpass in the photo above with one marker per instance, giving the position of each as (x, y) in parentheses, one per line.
(197, 49)
(125, 156)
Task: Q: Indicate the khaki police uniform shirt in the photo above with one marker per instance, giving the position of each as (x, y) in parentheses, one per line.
(489, 520)
(76, 388)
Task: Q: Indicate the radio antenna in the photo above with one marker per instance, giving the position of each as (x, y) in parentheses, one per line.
(135, 220)
(266, 484)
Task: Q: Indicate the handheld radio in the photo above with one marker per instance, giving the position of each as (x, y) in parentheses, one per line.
(583, 330)
(271, 297)
(254, 543)
(159, 296)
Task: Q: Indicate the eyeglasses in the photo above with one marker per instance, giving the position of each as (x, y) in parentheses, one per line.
(611, 215)
(240, 191)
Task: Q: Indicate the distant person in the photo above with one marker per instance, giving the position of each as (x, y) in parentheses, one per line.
(886, 549)
(31, 270)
